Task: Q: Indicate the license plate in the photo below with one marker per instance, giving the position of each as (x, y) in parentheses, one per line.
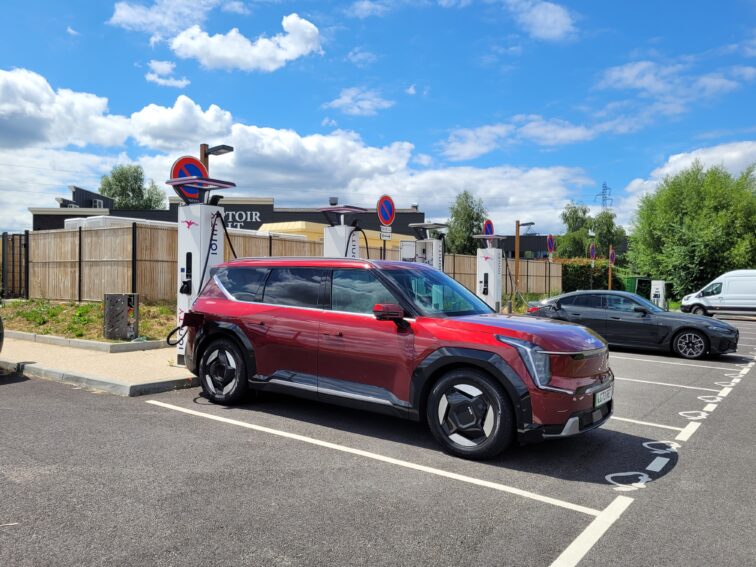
(603, 396)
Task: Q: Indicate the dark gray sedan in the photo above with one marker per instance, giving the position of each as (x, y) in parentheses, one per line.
(628, 320)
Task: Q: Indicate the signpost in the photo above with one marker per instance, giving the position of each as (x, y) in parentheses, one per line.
(188, 166)
(386, 215)
(550, 246)
(612, 260)
(488, 230)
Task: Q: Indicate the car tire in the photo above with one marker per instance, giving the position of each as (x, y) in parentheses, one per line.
(690, 344)
(223, 372)
(698, 310)
(469, 414)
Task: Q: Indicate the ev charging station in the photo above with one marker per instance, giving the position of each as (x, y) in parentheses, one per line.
(659, 293)
(201, 243)
(488, 268)
(424, 250)
(341, 240)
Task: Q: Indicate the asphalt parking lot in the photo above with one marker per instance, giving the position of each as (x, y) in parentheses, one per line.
(89, 479)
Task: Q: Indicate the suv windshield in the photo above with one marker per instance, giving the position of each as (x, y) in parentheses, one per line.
(435, 294)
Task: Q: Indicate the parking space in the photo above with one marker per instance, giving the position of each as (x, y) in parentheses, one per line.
(282, 481)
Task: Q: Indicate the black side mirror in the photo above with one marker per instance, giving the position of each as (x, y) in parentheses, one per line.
(639, 309)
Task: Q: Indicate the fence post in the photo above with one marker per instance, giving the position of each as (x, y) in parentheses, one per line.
(27, 248)
(454, 266)
(80, 268)
(4, 282)
(270, 245)
(133, 257)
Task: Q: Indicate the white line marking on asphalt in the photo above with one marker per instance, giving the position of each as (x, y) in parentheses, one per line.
(657, 464)
(666, 384)
(390, 460)
(710, 407)
(647, 423)
(688, 432)
(746, 344)
(667, 362)
(710, 399)
(723, 392)
(591, 534)
(669, 447)
(693, 414)
(7, 525)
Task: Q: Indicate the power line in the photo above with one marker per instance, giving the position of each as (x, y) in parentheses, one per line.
(606, 196)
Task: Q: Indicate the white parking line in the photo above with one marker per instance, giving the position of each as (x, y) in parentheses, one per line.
(590, 535)
(688, 432)
(647, 423)
(657, 464)
(390, 460)
(611, 356)
(666, 384)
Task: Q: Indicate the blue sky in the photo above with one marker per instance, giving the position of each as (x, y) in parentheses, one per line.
(527, 104)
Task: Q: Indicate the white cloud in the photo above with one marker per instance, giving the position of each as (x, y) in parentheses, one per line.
(235, 51)
(359, 101)
(361, 57)
(366, 8)
(551, 132)
(329, 122)
(469, 143)
(71, 31)
(236, 7)
(162, 72)
(543, 20)
(735, 157)
(411, 90)
(744, 73)
(164, 18)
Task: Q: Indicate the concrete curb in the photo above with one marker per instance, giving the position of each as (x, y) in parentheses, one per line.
(85, 344)
(96, 382)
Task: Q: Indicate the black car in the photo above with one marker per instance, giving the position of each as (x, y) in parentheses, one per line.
(628, 320)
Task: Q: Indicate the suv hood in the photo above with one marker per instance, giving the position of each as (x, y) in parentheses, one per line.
(549, 334)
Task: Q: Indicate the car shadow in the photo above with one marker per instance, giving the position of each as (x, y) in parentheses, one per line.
(589, 457)
(733, 358)
(11, 378)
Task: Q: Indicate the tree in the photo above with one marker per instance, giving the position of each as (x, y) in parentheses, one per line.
(125, 185)
(466, 218)
(575, 241)
(697, 225)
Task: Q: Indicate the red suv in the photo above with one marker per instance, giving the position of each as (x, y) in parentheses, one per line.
(398, 338)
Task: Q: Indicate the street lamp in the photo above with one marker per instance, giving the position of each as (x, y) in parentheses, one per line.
(518, 224)
(206, 151)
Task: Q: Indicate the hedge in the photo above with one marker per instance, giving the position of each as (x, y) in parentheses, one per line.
(577, 276)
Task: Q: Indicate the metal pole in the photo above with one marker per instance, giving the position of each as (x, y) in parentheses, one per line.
(610, 267)
(517, 256)
(204, 158)
(80, 267)
(5, 264)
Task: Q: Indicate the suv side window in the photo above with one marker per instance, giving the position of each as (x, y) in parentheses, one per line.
(242, 284)
(712, 289)
(295, 287)
(357, 291)
(591, 300)
(619, 303)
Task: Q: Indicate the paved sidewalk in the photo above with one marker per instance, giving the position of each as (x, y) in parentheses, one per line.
(126, 374)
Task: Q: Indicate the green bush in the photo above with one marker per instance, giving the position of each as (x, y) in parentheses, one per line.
(578, 276)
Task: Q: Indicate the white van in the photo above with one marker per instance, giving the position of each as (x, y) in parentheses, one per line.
(733, 292)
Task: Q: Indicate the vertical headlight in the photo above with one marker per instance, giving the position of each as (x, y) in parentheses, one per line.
(535, 360)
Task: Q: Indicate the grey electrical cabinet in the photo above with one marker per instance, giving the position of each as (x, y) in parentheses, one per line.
(121, 317)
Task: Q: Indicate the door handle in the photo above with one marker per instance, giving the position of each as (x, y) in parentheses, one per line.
(338, 334)
(616, 318)
(258, 323)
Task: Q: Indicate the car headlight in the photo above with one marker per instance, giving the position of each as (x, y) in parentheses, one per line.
(535, 360)
(720, 329)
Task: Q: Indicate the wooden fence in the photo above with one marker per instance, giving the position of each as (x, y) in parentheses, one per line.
(84, 264)
(13, 265)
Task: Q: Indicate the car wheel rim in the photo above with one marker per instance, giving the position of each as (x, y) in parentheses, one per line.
(220, 372)
(690, 345)
(465, 415)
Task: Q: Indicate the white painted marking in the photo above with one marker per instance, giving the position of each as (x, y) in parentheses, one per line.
(710, 407)
(736, 380)
(613, 356)
(590, 535)
(643, 478)
(657, 464)
(688, 432)
(710, 399)
(725, 384)
(647, 423)
(390, 460)
(669, 447)
(666, 384)
(8, 525)
(693, 414)
(723, 392)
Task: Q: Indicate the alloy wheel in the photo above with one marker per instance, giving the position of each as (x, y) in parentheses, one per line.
(220, 371)
(466, 415)
(690, 345)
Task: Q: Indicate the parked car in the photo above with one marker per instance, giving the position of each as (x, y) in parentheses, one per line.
(629, 320)
(733, 292)
(399, 338)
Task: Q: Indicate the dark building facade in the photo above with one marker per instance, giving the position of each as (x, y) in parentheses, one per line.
(244, 213)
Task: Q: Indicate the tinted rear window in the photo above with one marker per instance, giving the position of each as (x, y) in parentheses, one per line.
(296, 287)
(588, 300)
(243, 284)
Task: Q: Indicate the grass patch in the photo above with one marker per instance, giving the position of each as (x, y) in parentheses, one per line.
(81, 320)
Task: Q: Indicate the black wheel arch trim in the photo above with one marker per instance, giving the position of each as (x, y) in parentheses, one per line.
(492, 363)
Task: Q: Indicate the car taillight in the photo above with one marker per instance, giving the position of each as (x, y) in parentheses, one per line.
(533, 309)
